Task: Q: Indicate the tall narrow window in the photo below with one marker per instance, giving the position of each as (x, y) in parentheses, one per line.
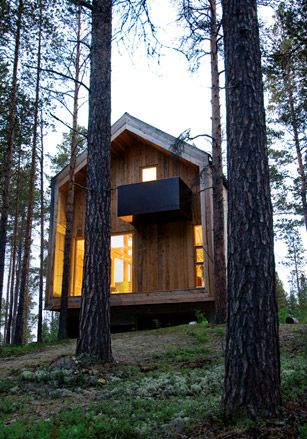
(199, 256)
(149, 173)
(59, 246)
(121, 263)
(78, 269)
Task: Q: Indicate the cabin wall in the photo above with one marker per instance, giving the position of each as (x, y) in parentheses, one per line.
(126, 168)
(163, 253)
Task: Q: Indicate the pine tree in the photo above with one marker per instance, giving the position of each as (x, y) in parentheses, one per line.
(74, 147)
(285, 69)
(203, 24)
(252, 363)
(10, 146)
(94, 332)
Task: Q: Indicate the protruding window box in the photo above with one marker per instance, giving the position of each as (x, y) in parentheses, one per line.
(154, 201)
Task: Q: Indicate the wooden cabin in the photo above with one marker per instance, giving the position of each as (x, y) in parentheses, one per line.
(161, 226)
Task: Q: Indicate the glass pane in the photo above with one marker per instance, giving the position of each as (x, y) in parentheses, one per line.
(199, 254)
(121, 263)
(149, 174)
(58, 263)
(79, 258)
(199, 271)
(198, 235)
(117, 241)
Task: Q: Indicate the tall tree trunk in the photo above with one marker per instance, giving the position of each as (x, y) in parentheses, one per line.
(18, 272)
(7, 166)
(217, 177)
(252, 364)
(71, 190)
(8, 332)
(294, 123)
(41, 257)
(19, 336)
(296, 270)
(94, 332)
(11, 268)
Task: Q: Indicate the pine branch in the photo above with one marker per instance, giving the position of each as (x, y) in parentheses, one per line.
(68, 126)
(66, 77)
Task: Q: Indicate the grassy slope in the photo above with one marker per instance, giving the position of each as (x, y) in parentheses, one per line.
(175, 392)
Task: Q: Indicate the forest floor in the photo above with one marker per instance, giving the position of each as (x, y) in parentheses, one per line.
(166, 383)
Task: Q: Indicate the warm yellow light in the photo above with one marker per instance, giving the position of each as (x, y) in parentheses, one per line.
(79, 260)
(127, 218)
(198, 235)
(121, 263)
(149, 174)
(199, 256)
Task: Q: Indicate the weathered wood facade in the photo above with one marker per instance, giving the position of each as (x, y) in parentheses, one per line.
(161, 251)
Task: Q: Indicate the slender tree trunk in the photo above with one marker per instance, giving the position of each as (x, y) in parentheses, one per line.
(42, 224)
(8, 334)
(19, 335)
(301, 169)
(7, 166)
(18, 273)
(11, 268)
(217, 178)
(71, 190)
(94, 332)
(297, 278)
(252, 364)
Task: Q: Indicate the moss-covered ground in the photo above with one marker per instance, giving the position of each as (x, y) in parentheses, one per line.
(167, 383)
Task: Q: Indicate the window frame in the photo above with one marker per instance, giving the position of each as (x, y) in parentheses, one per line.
(196, 262)
(148, 167)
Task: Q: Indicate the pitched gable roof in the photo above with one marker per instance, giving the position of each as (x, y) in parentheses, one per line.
(149, 133)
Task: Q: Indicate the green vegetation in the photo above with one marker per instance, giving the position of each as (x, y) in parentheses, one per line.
(174, 394)
(16, 350)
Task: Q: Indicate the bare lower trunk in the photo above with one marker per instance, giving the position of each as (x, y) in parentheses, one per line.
(252, 364)
(7, 166)
(217, 178)
(19, 336)
(41, 267)
(8, 333)
(11, 268)
(94, 333)
(71, 192)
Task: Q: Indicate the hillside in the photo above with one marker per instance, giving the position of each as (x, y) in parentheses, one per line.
(166, 383)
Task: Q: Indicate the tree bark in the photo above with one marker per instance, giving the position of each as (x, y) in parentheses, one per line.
(19, 335)
(11, 268)
(71, 190)
(41, 256)
(8, 334)
(94, 332)
(252, 364)
(9, 151)
(217, 177)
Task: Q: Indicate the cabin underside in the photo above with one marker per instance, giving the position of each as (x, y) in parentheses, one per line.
(147, 311)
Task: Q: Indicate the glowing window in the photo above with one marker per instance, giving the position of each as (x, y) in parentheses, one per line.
(149, 174)
(59, 246)
(78, 271)
(199, 256)
(121, 263)
(58, 261)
